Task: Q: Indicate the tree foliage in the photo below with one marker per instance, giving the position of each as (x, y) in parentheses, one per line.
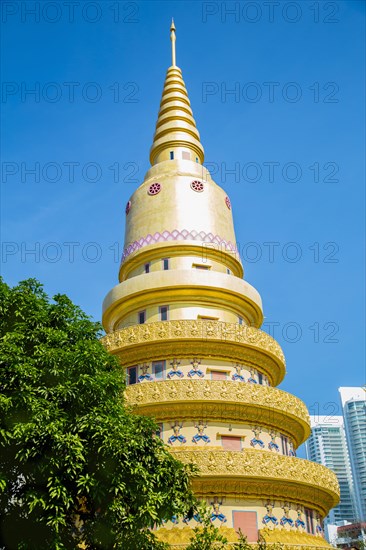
(206, 535)
(69, 449)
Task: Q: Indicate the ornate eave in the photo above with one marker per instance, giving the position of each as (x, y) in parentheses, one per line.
(186, 338)
(260, 474)
(224, 401)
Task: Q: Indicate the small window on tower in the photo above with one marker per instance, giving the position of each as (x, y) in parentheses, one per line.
(284, 445)
(218, 375)
(166, 264)
(142, 317)
(171, 155)
(196, 159)
(163, 313)
(207, 318)
(147, 268)
(186, 155)
(131, 376)
(228, 271)
(201, 266)
(231, 443)
(240, 320)
(260, 378)
(309, 521)
(158, 369)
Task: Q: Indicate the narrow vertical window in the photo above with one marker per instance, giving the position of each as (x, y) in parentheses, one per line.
(171, 155)
(309, 521)
(260, 378)
(196, 159)
(147, 268)
(142, 317)
(131, 376)
(228, 271)
(240, 319)
(163, 313)
(284, 445)
(166, 264)
(158, 368)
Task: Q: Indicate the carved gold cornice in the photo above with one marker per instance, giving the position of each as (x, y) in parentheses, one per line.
(186, 338)
(293, 536)
(222, 400)
(258, 474)
(179, 537)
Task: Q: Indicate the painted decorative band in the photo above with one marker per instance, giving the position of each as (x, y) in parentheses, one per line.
(178, 235)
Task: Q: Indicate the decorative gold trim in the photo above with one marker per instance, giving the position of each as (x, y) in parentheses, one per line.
(189, 286)
(187, 248)
(225, 401)
(230, 434)
(216, 339)
(219, 369)
(258, 474)
(293, 537)
(179, 537)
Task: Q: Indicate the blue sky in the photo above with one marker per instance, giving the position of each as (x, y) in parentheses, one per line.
(293, 132)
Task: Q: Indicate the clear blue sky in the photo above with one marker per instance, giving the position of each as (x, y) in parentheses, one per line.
(299, 74)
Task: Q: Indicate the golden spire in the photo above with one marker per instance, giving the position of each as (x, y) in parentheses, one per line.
(176, 135)
(172, 38)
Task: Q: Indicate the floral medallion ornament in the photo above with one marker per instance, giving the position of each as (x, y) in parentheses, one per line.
(154, 189)
(227, 202)
(197, 185)
(128, 207)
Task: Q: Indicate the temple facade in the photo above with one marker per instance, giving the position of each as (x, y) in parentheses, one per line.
(186, 327)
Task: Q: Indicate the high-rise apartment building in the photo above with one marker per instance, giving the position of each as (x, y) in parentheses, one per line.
(327, 445)
(354, 412)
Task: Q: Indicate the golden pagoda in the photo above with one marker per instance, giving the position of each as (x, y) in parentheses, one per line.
(186, 327)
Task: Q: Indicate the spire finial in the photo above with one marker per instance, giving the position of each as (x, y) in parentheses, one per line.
(172, 38)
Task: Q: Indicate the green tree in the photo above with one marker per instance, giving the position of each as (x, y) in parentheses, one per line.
(206, 536)
(69, 449)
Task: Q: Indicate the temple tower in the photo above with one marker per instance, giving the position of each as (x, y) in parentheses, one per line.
(186, 328)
